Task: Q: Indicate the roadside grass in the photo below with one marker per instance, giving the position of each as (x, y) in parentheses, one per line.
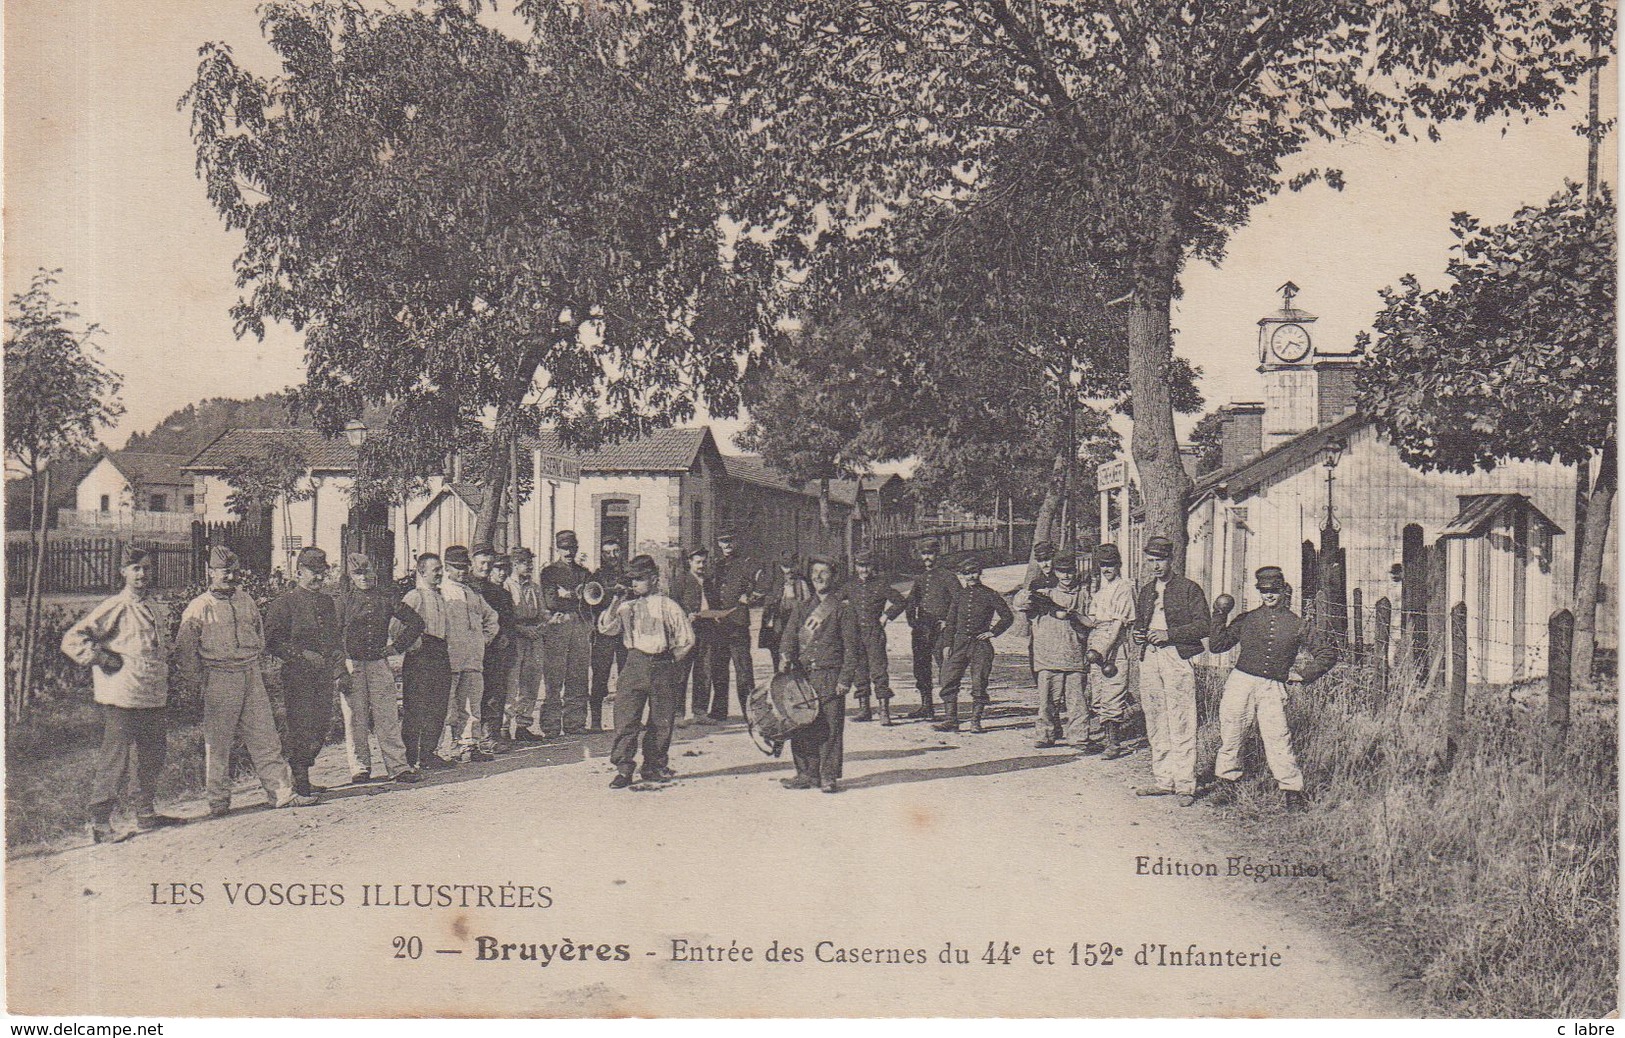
(1495, 883)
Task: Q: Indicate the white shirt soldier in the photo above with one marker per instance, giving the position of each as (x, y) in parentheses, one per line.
(125, 642)
(657, 635)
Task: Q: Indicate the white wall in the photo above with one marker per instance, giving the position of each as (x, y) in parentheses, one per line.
(104, 478)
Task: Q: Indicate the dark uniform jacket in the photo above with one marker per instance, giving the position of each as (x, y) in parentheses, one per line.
(832, 646)
(363, 619)
(567, 575)
(1186, 609)
(297, 620)
(688, 592)
(929, 598)
(973, 611)
(873, 599)
(500, 648)
(1269, 640)
(731, 579)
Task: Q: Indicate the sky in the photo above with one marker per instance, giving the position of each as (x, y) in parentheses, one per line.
(99, 181)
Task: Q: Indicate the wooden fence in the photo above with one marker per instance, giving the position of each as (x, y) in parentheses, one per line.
(896, 543)
(90, 565)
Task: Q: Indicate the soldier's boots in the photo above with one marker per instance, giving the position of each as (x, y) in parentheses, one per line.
(1112, 747)
(950, 719)
(1295, 800)
(885, 712)
(926, 711)
(302, 784)
(865, 713)
(976, 718)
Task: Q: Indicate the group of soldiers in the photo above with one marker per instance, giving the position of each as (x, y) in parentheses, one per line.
(493, 653)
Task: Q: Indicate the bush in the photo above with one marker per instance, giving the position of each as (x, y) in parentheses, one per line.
(1497, 881)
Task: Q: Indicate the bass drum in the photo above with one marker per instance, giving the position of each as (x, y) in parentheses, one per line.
(779, 709)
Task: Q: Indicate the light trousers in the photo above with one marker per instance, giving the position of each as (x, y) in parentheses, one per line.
(1168, 693)
(463, 720)
(1247, 698)
(1063, 691)
(524, 684)
(370, 710)
(235, 703)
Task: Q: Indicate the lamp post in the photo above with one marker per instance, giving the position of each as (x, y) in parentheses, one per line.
(355, 431)
(1333, 610)
(1331, 454)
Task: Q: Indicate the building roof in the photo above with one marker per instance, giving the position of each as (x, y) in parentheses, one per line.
(324, 453)
(143, 469)
(1479, 512)
(665, 450)
(750, 468)
(471, 495)
(1288, 313)
(1239, 481)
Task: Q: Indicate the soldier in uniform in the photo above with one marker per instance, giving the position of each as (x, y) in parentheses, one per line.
(566, 640)
(471, 625)
(608, 651)
(219, 649)
(125, 642)
(656, 635)
(1111, 614)
(366, 615)
(1060, 631)
(426, 674)
(1040, 576)
(736, 585)
(525, 678)
(927, 608)
(822, 640)
(1256, 689)
(976, 615)
(787, 588)
(500, 654)
(302, 630)
(1171, 619)
(874, 603)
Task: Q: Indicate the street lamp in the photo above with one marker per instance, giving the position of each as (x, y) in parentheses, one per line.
(355, 431)
(1331, 454)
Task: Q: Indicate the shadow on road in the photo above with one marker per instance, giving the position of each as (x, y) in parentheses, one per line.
(973, 770)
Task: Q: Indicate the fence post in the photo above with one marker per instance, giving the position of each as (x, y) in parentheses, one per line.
(1559, 673)
(1384, 621)
(1456, 723)
(1357, 636)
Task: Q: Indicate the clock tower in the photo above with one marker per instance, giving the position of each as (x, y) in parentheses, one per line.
(1305, 385)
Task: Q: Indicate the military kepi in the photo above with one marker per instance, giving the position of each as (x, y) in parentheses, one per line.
(969, 564)
(1066, 562)
(1270, 578)
(457, 555)
(221, 557)
(313, 559)
(1159, 547)
(133, 556)
(1044, 550)
(1108, 555)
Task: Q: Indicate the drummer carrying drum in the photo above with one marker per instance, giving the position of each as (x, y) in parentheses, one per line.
(821, 640)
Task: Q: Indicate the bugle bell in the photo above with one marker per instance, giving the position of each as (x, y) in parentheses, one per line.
(592, 593)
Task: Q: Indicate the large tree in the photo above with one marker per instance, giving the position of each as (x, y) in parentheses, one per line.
(476, 228)
(58, 394)
(1515, 359)
(1152, 127)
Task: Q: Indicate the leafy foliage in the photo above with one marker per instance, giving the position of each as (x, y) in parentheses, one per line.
(462, 222)
(265, 478)
(1516, 358)
(58, 392)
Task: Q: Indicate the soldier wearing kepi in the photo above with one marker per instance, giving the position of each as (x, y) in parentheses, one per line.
(976, 615)
(302, 629)
(1111, 615)
(656, 634)
(822, 640)
(366, 614)
(1171, 620)
(927, 610)
(736, 584)
(500, 652)
(1270, 637)
(874, 604)
(1060, 632)
(525, 677)
(471, 625)
(125, 643)
(566, 640)
(219, 649)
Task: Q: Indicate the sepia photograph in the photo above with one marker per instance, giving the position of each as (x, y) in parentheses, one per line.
(861, 509)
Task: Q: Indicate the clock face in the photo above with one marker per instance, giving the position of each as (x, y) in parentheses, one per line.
(1290, 343)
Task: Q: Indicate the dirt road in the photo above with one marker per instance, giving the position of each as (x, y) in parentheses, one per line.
(941, 846)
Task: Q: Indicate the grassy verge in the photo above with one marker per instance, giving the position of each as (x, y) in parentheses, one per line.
(1495, 884)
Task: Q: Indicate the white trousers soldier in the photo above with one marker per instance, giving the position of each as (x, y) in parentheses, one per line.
(1062, 691)
(1248, 698)
(524, 685)
(1168, 693)
(370, 709)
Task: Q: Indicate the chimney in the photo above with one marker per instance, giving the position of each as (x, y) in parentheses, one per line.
(1339, 385)
(1241, 433)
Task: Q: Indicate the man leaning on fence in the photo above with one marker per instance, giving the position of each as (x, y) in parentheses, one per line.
(219, 649)
(125, 643)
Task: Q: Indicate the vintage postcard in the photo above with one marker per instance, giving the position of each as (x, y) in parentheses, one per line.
(779, 508)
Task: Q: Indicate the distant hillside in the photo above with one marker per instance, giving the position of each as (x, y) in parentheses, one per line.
(190, 429)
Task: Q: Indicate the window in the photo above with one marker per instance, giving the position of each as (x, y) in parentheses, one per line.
(191, 501)
(615, 524)
(158, 503)
(107, 503)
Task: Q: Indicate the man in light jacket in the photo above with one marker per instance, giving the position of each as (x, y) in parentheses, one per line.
(471, 625)
(1059, 616)
(125, 642)
(657, 635)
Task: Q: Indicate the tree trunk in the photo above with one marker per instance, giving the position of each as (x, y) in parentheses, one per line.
(823, 504)
(32, 607)
(1048, 525)
(1163, 483)
(494, 485)
(1593, 536)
